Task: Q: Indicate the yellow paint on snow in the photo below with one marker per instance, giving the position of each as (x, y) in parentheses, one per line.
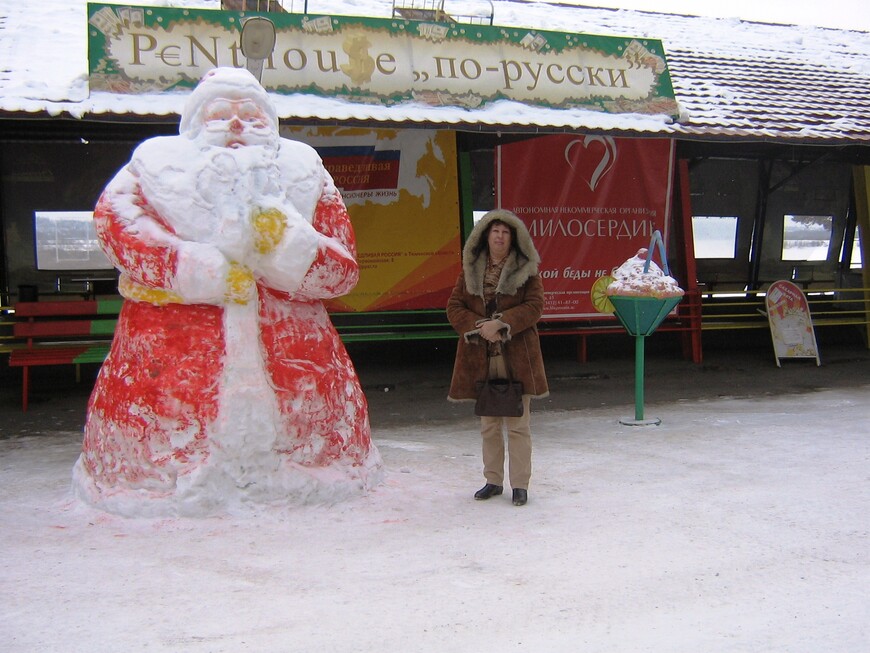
(269, 226)
(240, 284)
(137, 292)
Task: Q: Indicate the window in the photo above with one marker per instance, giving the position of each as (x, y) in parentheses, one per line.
(67, 240)
(806, 237)
(856, 254)
(715, 236)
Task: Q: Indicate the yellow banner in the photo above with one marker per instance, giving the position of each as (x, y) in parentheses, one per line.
(402, 193)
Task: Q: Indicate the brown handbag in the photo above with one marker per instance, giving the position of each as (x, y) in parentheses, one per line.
(499, 397)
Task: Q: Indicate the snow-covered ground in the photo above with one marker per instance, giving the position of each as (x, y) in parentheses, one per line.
(736, 525)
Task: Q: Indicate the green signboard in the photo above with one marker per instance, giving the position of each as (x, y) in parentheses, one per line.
(381, 61)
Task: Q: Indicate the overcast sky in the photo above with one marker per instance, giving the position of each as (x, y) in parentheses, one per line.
(843, 14)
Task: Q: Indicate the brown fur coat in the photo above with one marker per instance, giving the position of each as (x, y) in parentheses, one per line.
(519, 300)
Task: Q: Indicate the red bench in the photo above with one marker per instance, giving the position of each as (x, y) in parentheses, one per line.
(61, 333)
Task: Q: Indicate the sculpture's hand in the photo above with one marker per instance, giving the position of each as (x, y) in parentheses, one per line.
(240, 284)
(269, 227)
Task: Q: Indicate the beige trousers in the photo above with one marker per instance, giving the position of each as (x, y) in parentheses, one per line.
(519, 439)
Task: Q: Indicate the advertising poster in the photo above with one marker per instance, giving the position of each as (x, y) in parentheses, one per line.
(401, 190)
(791, 326)
(590, 202)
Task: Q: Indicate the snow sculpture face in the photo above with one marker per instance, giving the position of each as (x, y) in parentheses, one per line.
(229, 100)
(235, 123)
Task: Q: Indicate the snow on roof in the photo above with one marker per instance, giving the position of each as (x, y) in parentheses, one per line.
(733, 79)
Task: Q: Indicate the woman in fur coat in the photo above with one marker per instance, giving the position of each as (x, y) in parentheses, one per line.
(495, 307)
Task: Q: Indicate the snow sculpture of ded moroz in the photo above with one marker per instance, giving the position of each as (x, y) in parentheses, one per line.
(226, 384)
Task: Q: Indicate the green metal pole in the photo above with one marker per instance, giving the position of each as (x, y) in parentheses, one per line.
(638, 377)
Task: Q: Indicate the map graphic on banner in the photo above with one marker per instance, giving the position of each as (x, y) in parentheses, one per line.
(590, 202)
(402, 195)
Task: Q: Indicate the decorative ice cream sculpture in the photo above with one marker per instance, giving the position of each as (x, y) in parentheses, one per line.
(226, 383)
(642, 295)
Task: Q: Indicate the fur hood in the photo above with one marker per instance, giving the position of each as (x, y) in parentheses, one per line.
(522, 262)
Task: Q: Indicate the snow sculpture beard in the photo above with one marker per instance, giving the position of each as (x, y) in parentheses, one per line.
(208, 181)
(231, 184)
(210, 197)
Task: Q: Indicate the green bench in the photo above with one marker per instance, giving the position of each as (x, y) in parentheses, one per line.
(377, 326)
(60, 333)
(52, 332)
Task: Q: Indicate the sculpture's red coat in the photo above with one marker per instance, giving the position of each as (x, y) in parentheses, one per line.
(156, 398)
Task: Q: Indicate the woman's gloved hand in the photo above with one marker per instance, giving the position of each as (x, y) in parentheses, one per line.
(491, 330)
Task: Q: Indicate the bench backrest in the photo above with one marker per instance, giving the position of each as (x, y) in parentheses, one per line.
(71, 308)
(64, 328)
(95, 319)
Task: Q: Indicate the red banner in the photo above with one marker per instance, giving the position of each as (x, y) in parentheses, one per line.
(590, 202)
(362, 168)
